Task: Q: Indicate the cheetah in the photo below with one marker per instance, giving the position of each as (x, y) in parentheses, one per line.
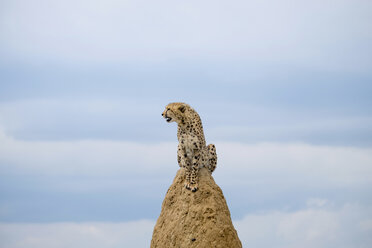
(192, 153)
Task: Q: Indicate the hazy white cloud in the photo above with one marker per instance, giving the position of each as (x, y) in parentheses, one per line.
(89, 157)
(319, 33)
(115, 118)
(293, 127)
(66, 118)
(271, 175)
(67, 144)
(136, 234)
(300, 164)
(274, 162)
(316, 226)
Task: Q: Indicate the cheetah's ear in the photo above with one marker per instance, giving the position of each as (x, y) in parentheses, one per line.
(182, 108)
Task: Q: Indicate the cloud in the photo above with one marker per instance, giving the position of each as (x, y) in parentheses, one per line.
(65, 118)
(300, 33)
(115, 118)
(293, 127)
(273, 78)
(296, 163)
(136, 234)
(81, 173)
(81, 161)
(279, 162)
(315, 226)
(89, 157)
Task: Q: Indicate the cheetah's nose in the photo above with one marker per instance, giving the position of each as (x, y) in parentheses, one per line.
(162, 114)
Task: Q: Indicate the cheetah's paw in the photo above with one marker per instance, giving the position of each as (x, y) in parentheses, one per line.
(192, 187)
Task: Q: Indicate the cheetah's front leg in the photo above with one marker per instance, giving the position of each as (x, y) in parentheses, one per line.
(192, 183)
(188, 170)
(181, 156)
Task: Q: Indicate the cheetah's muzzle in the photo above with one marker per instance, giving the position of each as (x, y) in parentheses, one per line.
(168, 119)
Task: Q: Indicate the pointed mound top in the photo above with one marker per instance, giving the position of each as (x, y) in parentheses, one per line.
(198, 219)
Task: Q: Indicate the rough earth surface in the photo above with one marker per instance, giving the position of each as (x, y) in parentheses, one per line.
(198, 219)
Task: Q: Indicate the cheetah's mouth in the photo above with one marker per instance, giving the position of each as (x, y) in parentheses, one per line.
(168, 119)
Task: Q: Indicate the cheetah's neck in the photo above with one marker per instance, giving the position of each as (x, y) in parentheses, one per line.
(190, 127)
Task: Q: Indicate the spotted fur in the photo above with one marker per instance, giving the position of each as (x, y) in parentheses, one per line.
(193, 153)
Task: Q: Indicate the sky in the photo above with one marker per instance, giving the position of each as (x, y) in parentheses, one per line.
(283, 89)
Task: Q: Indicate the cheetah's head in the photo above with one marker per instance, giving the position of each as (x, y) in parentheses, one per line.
(175, 112)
